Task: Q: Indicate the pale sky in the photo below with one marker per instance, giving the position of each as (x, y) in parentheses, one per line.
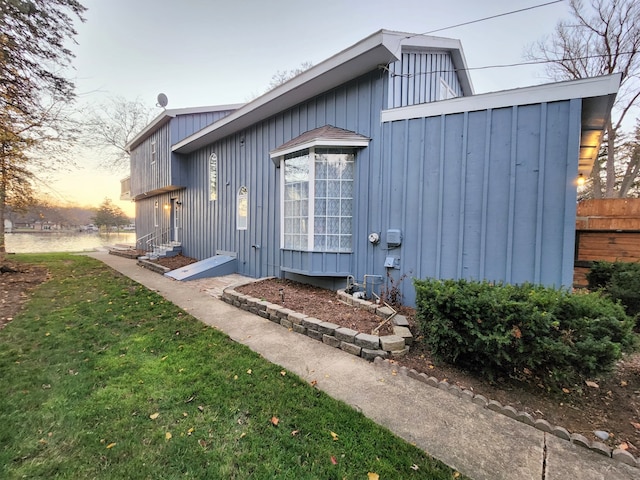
(211, 52)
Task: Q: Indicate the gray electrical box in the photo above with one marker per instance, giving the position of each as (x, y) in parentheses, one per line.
(394, 237)
(392, 262)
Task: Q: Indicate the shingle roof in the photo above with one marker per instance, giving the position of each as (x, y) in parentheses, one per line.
(322, 136)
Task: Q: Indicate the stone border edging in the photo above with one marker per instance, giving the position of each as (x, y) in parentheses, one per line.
(378, 349)
(524, 417)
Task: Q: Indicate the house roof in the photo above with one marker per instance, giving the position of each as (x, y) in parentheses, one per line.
(327, 136)
(597, 94)
(376, 50)
(168, 114)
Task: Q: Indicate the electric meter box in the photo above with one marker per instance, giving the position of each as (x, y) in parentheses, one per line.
(394, 237)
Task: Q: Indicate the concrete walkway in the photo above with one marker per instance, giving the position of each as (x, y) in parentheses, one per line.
(475, 441)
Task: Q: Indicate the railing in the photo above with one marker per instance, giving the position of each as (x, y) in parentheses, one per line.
(152, 240)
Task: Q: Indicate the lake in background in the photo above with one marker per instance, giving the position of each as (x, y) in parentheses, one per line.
(64, 241)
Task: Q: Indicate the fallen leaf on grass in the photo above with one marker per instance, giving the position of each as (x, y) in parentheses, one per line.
(275, 421)
(566, 390)
(153, 416)
(456, 474)
(111, 445)
(249, 372)
(623, 446)
(202, 443)
(168, 436)
(591, 384)
(190, 431)
(414, 467)
(334, 436)
(295, 432)
(373, 476)
(333, 460)
(623, 383)
(314, 383)
(283, 373)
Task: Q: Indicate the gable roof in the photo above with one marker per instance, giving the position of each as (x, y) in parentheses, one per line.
(168, 114)
(376, 50)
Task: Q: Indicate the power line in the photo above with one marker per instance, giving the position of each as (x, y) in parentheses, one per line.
(492, 17)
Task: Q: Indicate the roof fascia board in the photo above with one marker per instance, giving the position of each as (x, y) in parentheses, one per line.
(319, 142)
(378, 48)
(583, 88)
(170, 113)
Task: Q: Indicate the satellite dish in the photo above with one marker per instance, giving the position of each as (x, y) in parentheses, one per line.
(162, 100)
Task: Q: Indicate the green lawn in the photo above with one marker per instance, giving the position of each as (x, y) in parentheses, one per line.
(102, 378)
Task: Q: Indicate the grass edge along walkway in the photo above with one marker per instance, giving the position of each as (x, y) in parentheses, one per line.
(102, 378)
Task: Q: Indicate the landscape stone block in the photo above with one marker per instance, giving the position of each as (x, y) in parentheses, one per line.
(524, 417)
(263, 313)
(330, 340)
(391, 343)
(400, 321)
(580, 440)
(466, 395)
(316, 335)
(444, 385)
(327, 328)
(413, 373)
(405, 333)
(601, 448)
(455, 390)
(299, 329)
(509, 411)
(433, 381)
(399, 353)
(495, 406)
(367, 341)
(284, 312)
(624, 457)
(311, 322)
(542, 424)
(370, 354)
(384, 311)
(346, 334)
(480, 400)
(352, 349)
(295, 317)
(561, 432)
(286, 323)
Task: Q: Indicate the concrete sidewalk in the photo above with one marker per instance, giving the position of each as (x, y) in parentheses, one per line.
(475, 441)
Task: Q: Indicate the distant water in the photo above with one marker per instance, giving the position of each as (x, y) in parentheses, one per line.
(63, 241)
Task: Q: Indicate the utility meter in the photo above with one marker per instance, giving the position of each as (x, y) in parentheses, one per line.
(374, 238)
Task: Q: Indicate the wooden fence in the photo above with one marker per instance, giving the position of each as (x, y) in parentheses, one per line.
(606, 229)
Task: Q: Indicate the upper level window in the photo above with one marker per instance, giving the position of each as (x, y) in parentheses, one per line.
(213, 177)
(155, 213)
(243, 208)
(318, 200)
(446, 91)
(153, 151)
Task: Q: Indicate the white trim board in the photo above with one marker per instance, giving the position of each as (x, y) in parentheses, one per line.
(584, 88)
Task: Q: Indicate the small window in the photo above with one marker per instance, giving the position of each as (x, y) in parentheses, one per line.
(213, 177)
(153, 152)
(243, 208)
(446, 91)
(155, 213)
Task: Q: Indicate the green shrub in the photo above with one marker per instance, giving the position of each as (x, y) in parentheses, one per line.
(521, 330)
(618, 280)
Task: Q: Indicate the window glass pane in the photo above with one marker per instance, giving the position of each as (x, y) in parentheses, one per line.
(243, 208)
(346, 189)
(319, 242)
(319, 225)
(345, 226)
(321, 188)
(345, 243)
(213, 177)
(321, 169)
(304, 208)
(346, 207)
(333, 243)
(296, 205)
(333, 188)
(333, 225)
(320, 207)
(333, 207)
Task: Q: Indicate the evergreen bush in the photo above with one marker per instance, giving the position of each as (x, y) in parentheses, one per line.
(521, 330)
(619, 281)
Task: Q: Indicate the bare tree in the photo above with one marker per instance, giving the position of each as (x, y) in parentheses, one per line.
(282, 76)
(113, 124)
(34, 39)
(601, 38)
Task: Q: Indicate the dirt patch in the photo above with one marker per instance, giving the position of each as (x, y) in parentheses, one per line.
(177, 261)
(612, 407)
(16, 281)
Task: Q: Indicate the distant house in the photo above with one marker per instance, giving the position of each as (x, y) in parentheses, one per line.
(378, 161)
(8, 226)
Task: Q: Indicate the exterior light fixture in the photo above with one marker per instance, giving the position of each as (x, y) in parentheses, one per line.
(166, 206)
(580, 181)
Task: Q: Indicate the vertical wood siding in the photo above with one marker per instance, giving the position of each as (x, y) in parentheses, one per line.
(416, 78)
(487, 194)
(147, 176)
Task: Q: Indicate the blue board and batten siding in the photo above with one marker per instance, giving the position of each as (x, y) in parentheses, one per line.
(243, 160)
(483, 195)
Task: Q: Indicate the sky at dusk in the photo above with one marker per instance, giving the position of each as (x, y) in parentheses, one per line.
(212, 52)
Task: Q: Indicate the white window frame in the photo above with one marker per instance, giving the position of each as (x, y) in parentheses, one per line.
(311, 215)
(213, 185)
(153, 152)
(242, 214)
(156, 207)
(446, 92)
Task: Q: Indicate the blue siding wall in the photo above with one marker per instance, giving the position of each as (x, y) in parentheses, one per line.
(483, 195)
(415, 78)
(147, 176)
